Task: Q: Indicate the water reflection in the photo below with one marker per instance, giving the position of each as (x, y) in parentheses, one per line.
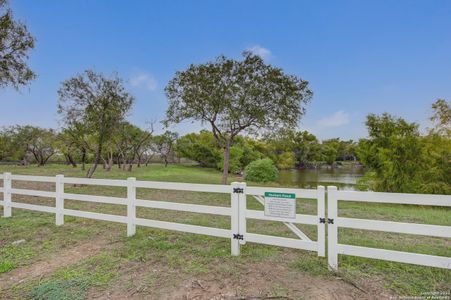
(345, 178)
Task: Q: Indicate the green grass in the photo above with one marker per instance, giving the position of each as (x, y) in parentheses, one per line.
(183, 255)
(74, 282)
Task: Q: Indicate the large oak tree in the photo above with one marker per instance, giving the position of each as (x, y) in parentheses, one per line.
(235, 96)
(98, 102)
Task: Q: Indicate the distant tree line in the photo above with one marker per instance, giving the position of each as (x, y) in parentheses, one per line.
(251, 108)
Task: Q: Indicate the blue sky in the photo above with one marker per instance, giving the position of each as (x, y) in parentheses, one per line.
(360, 57)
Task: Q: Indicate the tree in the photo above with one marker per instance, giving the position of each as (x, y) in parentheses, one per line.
(99, 103)
(35, 141)
(393, 152)
(67, 147)
(199, 147)
(234, 96)
(132, 142)
(77, 135)
(164, 145)
(15, 42)
(330, 150)
(441, 117)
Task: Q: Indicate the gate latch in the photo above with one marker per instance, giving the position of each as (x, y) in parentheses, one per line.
(322, 220)
(238, 236)
(330, 221)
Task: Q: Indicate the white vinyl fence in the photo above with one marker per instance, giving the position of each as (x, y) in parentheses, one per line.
(237, 211)
(334, 222)
(239, 214)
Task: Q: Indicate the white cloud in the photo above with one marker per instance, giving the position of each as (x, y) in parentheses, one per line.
(144, 80)
(260, 51)
(337, 119)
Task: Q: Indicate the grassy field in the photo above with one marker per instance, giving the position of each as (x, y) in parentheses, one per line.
(88, 258)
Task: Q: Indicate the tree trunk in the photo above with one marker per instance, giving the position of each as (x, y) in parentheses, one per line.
(83, 159)
(109, 164)
(225, 172)
(97, 158)
(166, 161)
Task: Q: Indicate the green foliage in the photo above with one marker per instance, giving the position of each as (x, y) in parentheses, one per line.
(404, 161)
(74, 282)
(329, 150)
(200, 147)
(262, 170)
(98, 102)
(286, 160)
(28, 143)
(441, 118)
(164, 144)
(72, 289)
(234, 96)
(6, 266)
(15, 43)
(236, 153)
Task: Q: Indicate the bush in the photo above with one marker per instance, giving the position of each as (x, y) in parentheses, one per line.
(262, 170)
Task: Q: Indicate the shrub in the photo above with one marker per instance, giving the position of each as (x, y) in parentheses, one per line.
(262, 170)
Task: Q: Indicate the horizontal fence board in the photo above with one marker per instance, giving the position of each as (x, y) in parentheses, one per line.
(225, 233)
(397, 256)
(196, 208)
(27, 206)
(95, 216)
(33, 178)
(91, 181)
(2, 202)
(33, 193)
(96, 199)
(397, 198)
(300, 193)
(281, 241)
(301, 219)
(1, 190)
(193, 187)
(398, 227)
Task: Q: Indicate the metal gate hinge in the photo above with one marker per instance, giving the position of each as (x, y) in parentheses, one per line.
(322, 220)
(330, 221)
(238, 236)
(238, 190)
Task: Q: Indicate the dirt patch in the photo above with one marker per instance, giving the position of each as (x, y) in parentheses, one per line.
(262, 280)
(43, 268)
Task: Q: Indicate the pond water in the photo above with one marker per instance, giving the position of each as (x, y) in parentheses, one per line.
(344, 178)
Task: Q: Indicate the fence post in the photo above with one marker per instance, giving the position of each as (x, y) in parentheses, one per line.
(131, 208)
(7, 195)
(59, 200)
(332, 231)
(242, 206)
(321, 207)
(237, 189)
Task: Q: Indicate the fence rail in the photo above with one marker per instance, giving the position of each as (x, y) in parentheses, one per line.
(239, 214)
(237, 211)
(334, 248)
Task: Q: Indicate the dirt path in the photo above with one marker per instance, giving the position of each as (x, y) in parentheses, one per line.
(49, 264)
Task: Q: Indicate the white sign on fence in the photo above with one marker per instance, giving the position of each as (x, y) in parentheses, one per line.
(280, 205)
